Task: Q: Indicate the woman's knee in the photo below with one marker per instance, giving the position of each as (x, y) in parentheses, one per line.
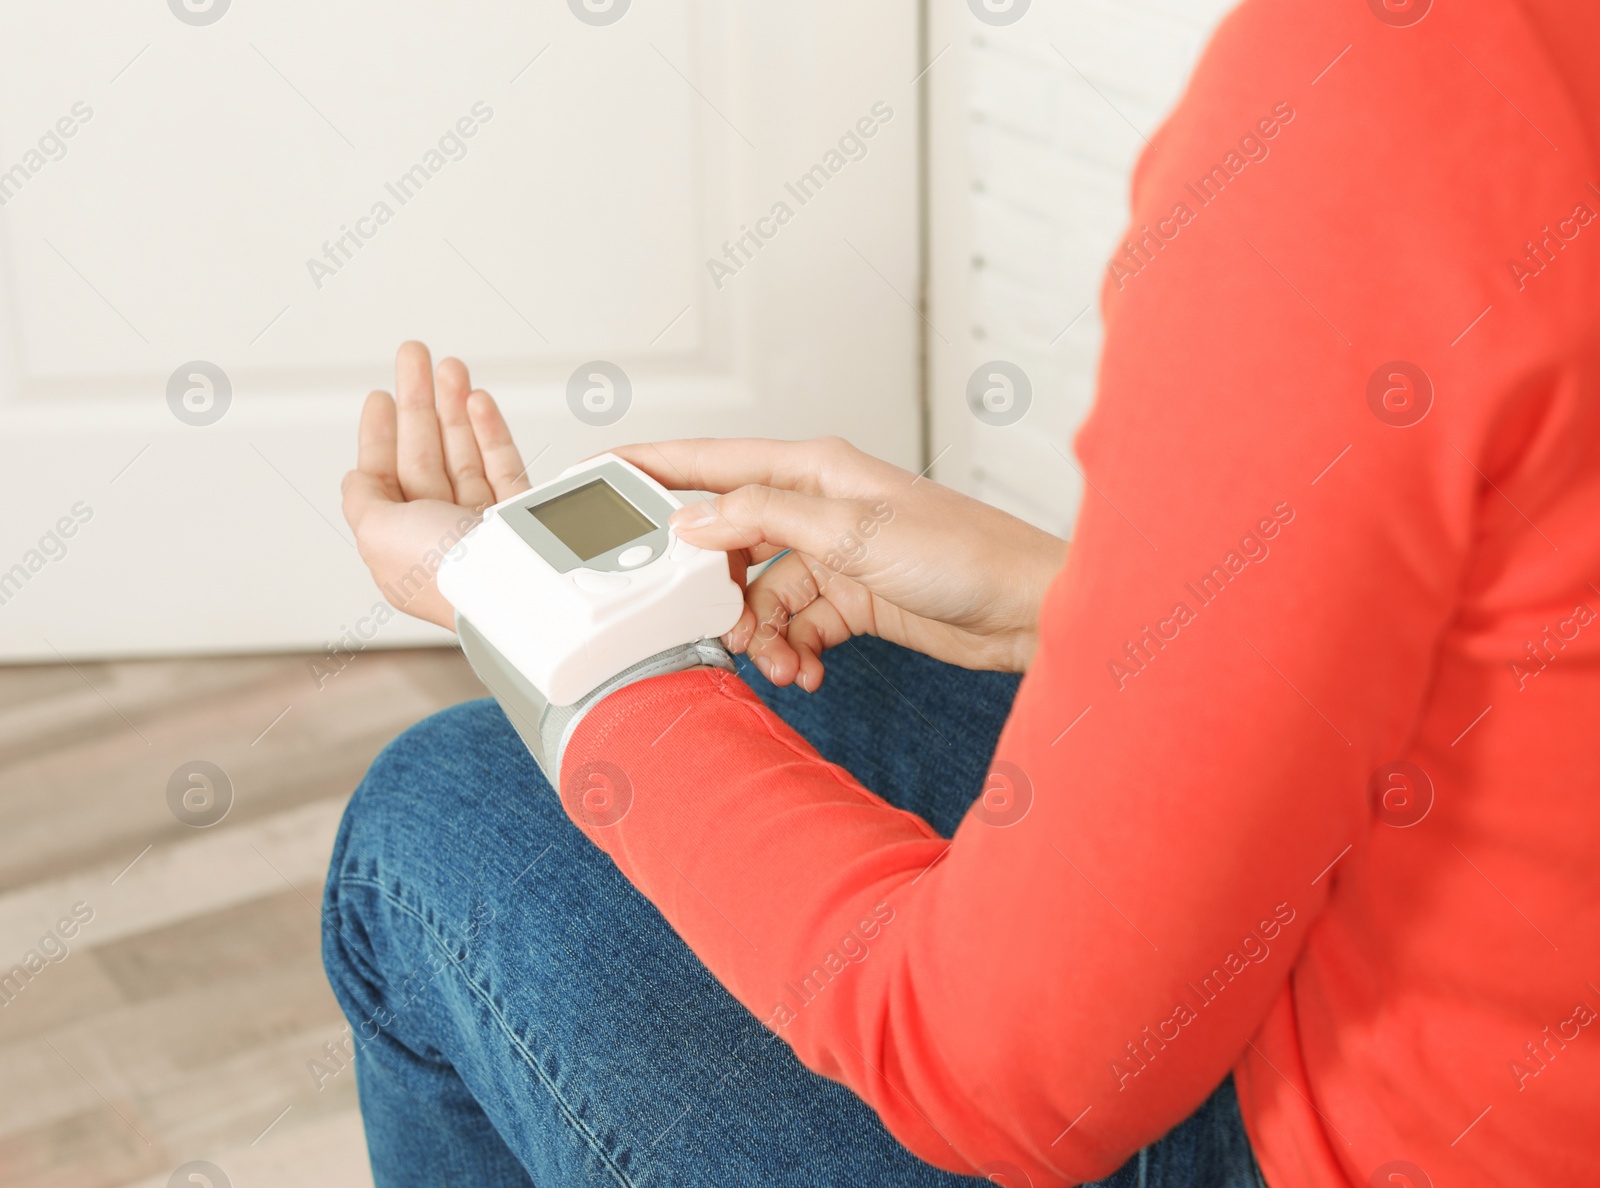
(445, 809)
(437, 787)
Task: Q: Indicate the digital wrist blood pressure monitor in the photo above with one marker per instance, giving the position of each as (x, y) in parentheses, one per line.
(572, 590)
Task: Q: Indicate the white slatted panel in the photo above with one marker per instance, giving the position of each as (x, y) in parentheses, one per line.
(1037, 127)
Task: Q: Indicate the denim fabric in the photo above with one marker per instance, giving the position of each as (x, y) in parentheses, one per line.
(523, 1016)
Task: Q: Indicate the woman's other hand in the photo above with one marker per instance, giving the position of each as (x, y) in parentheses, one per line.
(428, 465)
(874, 550)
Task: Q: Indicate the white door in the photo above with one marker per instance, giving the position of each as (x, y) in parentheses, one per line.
(218, 218)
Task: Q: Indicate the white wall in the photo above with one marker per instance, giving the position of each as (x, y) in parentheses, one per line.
(1036, 125)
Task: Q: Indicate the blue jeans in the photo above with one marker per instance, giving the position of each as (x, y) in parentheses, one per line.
(523, 1016)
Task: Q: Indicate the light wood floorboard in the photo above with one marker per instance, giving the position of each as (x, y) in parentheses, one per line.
(183, 1019)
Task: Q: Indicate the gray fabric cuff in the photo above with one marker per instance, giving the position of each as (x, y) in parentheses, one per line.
(545, 728)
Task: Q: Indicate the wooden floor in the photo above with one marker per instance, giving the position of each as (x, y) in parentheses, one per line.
(181, 1022)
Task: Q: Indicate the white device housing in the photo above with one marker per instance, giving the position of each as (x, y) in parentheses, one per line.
(567, 631)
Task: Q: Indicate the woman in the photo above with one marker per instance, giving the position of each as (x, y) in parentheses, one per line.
(1278, 864)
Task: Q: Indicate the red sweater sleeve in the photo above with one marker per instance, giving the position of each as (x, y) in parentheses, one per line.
(1271, 548)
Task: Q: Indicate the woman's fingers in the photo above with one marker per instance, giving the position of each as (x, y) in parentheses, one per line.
(421, 455)
(373, 480)
(763, 551)
(502, 462)
(794, 618)
(823, 466)
(737, 638)
(794, 612)
(820, 626)
(360, 493)
(375, 441)
(827, 539)
(842, 610)
(462, 460)
(720, 464)
(752, 516)
(439, 439)
(810, 675)
(782, 590)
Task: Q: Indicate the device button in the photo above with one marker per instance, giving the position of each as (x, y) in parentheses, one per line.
(637, 555)
(599, 583)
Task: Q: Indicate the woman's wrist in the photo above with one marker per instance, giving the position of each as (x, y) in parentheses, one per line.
(1048, 559)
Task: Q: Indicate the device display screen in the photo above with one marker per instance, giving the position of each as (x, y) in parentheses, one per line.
(592, 519)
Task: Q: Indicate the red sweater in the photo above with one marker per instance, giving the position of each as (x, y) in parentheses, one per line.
(1282, 584)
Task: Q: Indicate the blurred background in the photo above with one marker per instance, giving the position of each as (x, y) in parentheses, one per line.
(633, 219)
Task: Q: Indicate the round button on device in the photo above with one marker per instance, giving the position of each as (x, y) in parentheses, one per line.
(637, 555)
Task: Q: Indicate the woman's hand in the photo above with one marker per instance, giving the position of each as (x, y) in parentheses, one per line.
(425, 472)
(874, 550)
